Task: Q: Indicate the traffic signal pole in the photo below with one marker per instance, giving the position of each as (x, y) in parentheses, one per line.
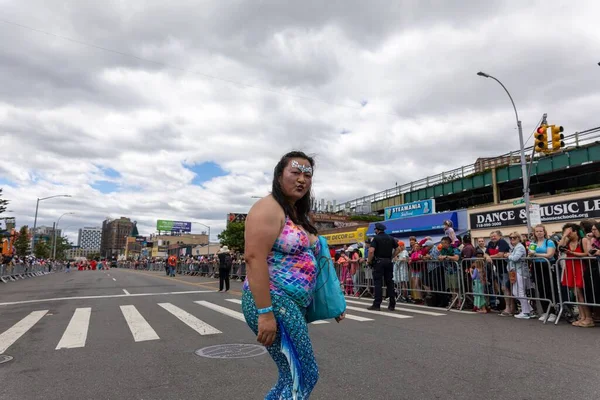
(522, 146)
(525, 174)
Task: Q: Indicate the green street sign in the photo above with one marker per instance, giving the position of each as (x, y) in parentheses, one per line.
(518, 201)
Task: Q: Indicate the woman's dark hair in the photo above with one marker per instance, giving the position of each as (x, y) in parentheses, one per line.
(466, 239)
(597, 225)
(299, 212)
(574, 227)
(586, 225)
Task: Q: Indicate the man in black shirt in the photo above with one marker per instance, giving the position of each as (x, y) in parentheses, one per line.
(382, 251)
(495, 251)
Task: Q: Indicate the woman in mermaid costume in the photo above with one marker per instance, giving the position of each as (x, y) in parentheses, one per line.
(280, 249)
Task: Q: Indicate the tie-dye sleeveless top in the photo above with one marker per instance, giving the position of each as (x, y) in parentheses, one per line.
(291, 264)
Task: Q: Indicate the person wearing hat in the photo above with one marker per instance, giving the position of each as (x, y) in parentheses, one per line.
(382, 251)
(225, 263)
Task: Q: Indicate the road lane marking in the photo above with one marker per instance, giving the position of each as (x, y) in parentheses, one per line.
(19, 329)
(431, 313)
(76, 333)
(203, 284)
(223, 310)
(126, 292)
(385, 314)
(357, 318)
(422, 306)
(108, 296)
(238, 301)
(139, 327)
(352, 317)
(114, 279)
(196, 324)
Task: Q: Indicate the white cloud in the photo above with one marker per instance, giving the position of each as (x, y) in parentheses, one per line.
(245, 83)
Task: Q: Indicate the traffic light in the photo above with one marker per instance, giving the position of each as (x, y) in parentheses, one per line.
(557, 137)
(541, 139)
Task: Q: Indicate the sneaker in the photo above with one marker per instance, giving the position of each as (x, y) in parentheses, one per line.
(543, 317)
(523, 316)
(552, 318)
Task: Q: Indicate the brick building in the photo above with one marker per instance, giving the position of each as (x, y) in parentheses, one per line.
(114, 236)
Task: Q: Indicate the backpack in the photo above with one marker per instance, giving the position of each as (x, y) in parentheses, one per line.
(227, 260)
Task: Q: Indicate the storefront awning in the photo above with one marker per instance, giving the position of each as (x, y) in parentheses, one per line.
(414, 225)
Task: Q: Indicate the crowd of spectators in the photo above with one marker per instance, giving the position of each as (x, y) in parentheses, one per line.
(510, 275)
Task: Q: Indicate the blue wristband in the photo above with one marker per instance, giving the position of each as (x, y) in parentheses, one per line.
(264, 310)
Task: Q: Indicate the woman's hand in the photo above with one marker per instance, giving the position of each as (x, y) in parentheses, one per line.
(267, 329)
(340, 318)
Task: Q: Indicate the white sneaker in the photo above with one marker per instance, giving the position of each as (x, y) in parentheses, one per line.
(523, 316)
(543, 317)
(552, 318)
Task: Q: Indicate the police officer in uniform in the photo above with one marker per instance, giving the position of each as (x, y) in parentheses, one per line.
(382, 251)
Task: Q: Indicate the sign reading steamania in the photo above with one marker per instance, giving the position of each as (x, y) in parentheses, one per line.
(551, 212)
(413, 209)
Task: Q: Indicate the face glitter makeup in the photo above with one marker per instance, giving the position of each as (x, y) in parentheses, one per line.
(303, 168)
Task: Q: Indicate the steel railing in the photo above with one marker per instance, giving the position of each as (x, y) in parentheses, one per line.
(571, 141)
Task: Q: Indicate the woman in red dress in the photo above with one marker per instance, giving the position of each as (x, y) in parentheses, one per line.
(574, 272)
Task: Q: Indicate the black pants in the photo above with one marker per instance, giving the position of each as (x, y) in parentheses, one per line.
(383, 270)
(223, 278)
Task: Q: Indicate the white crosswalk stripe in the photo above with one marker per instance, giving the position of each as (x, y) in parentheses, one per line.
(196, 324)
(385, 314)
(357, 318)
(139, 327)
(410, 310)
(223, 310)
(238, 301)
(19, 329)
(76, 333)
(348, 316)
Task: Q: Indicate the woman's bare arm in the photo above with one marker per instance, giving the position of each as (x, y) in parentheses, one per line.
(263, 225)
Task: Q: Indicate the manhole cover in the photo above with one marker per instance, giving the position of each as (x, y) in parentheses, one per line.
(231, 351)
(4, 358)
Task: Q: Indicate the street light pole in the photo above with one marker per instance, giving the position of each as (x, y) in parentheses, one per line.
(196, 222)
(522, 148)
(55, 229)
(37, 205)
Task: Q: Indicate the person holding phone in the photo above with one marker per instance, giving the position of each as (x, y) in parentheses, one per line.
(544, 249)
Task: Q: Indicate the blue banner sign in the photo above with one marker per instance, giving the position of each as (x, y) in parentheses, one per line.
(414, 209)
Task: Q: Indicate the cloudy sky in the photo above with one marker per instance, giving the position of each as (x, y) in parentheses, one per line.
(180, 110)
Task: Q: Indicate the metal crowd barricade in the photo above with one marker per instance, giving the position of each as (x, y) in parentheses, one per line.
(534, 287)
(435, 282)
(12, 272)
(579, 280)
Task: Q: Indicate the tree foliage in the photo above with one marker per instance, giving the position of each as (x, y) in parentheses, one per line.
(3, 203)
(233, 236)
(22, 242)
(41, 249)
(62, 245)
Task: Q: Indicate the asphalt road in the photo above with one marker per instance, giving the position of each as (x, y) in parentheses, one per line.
(58, 355)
